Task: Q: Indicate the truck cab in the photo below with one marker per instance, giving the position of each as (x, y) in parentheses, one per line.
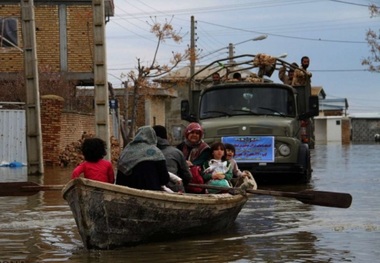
(264, 120)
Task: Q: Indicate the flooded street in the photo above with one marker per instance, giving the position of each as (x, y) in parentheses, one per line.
(40, 228)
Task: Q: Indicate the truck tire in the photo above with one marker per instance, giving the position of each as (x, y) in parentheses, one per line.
(304, 161)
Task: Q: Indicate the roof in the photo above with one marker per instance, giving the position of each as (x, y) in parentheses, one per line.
(333, 104)
(318, 91)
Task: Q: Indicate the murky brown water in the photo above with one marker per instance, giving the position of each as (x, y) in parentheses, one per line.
(40, 228)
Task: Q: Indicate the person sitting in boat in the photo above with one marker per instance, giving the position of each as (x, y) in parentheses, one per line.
(175, 161)
(141, 164)
(95, 167)
(230, 154)
(196, 152)
(217, 171)
(242, 179)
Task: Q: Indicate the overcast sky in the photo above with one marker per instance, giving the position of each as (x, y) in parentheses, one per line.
(331, 33)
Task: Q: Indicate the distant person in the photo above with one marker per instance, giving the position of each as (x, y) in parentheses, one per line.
(287, 76)
(305, 62)
(141, 164)
(94, 167)
(216, 78)
(175, 161)
(302, 77)
(236, 76)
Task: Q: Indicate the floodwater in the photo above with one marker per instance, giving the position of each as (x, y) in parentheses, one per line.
(40, 228)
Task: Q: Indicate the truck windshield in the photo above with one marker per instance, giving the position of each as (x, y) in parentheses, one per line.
(233, 101)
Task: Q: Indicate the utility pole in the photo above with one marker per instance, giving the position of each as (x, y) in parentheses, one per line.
(100, 75)
(231, 53)
(192, 59)
(32, 106)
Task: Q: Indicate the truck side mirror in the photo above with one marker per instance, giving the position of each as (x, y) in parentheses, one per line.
(314, 105)
(313, 108)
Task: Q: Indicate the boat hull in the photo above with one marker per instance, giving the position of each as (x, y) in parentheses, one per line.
(110, 216)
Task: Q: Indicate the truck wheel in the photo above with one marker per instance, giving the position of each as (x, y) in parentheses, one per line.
(304, 161)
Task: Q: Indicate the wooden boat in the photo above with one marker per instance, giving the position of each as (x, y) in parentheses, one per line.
(110, 216)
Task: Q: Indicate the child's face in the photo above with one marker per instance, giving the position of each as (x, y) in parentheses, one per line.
(230, 154)
(218, 153)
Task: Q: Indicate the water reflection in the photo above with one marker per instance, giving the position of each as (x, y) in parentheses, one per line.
(40, 228)
(37, 227)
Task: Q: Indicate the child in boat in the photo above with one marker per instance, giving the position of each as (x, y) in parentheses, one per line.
(217, 171)
(230, 154)
(239, 177)
(95, 167)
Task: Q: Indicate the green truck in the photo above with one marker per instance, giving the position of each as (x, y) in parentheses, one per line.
(269, 123)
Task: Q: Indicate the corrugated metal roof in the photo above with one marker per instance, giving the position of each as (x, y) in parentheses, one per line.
(333, 104)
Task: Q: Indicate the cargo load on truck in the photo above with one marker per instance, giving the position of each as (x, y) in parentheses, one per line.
(270, 123)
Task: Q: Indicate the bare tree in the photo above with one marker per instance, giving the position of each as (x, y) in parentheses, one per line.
(373, 39)
(140, 79)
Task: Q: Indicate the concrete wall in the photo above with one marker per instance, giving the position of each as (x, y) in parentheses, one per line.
(334, 129)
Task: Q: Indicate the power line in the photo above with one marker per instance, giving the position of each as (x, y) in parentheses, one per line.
(340, 70)
(284, 36)
(349, 3)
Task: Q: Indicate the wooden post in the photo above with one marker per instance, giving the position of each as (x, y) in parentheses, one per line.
(100, 75)
(32, 106)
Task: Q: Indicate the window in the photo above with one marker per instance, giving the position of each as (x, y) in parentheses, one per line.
(8, 32)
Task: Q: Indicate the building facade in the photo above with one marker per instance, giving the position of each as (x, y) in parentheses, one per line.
(64, 38)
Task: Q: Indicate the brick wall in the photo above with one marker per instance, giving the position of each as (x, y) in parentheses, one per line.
(51, 112)
(74, 125)
(47, 36)
(346, 131)
(332, 113)
(60, 128)
(79, 38)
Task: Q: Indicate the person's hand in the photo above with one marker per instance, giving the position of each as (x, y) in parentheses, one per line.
(218, 176)
(189, 163)
(244, 174)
